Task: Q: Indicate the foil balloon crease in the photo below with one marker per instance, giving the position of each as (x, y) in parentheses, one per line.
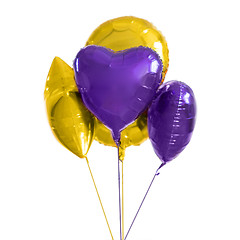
(171, 119)
(119, 34)
(70, 121)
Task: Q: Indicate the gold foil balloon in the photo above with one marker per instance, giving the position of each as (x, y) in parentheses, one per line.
(71, 122)
(127, 32)
(119, 34)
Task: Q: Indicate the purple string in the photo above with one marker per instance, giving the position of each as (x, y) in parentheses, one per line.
(119, 194)
(156, 173)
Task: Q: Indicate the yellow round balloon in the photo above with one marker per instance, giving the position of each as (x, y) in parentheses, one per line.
(70, 121)
(119, 34)
(127, 32)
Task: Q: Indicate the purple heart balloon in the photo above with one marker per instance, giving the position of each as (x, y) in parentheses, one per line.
(117, 86)
(171, 119)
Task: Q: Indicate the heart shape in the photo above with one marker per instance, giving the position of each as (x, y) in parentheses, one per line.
(117, 86)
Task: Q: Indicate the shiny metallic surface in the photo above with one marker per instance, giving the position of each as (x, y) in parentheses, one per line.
(171, 119)
(128, 32)
(70, 121)
(117, 86)
(119, 34)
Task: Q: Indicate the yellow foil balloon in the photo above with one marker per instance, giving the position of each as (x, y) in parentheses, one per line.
(119, 34)
(71, 122)
(127, 32)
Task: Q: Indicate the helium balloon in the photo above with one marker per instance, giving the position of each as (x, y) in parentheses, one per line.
(119, 34)
(117, 86)
(70, 121)
(171, 119)
(128, 32)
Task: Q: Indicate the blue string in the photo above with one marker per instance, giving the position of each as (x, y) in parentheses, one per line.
(156, 174)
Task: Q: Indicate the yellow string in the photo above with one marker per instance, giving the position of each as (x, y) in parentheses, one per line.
(122, 206)
(99, 197)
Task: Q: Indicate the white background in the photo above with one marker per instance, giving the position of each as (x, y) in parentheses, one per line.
(46, 191)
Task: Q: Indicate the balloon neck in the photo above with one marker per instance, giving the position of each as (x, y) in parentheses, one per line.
(158, 170)
(116, 135)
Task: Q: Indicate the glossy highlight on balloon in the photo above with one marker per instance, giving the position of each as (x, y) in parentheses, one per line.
(171, 119)
(120, 34)
(70, 121)
(117, 86)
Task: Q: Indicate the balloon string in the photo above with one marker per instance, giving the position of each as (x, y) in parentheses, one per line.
(122, 205)
(119, 193)
(99, 197)
(156, 173)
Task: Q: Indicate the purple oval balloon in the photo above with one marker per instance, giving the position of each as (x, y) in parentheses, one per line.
(171, 119)
(117, 86)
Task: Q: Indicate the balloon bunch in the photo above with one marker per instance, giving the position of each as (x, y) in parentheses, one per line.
(115, 94)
